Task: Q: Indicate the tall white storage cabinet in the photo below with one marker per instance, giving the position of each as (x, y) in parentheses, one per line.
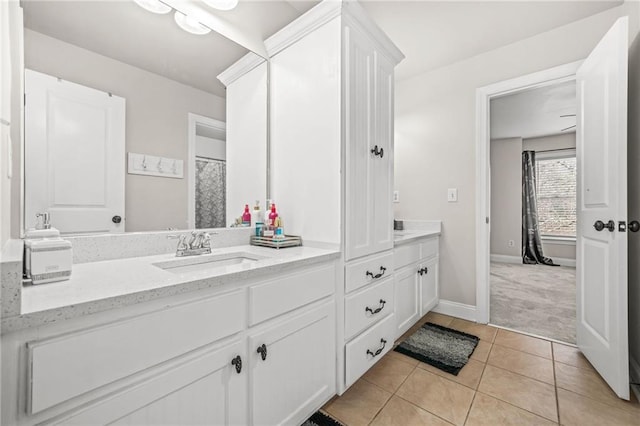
(331, 100)
(246, 83)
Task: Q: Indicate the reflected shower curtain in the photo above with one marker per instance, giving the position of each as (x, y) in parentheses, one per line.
(531, 241)
(211, 178)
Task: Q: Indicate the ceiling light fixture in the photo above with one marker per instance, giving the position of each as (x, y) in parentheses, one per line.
(190, 24)
(222, 4)
(155, 6)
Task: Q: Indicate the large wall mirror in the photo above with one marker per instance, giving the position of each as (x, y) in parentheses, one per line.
(123, 108)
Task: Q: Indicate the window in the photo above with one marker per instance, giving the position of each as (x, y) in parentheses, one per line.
(556, 187)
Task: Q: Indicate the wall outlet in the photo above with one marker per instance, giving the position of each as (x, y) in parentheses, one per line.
(512, 243)
(396, 196)
(452, 195)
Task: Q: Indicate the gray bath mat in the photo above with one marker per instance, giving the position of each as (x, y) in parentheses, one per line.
(444, 348)
(321, 419)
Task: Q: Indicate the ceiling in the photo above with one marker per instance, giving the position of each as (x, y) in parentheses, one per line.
(534, 113)
(431, 34)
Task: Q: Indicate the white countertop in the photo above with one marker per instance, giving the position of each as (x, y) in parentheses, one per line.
(99, 286)
(416, 230)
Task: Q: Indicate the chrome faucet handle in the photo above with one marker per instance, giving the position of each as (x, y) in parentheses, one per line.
(182, 240)
(192, 240)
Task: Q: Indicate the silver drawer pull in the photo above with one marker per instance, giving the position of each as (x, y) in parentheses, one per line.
(379, 350)
(378, 309)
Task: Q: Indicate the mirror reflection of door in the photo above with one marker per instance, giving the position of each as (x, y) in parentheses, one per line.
(208, 138)
(74, 155)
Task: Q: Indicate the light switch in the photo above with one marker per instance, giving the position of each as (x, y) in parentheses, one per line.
(452, 195)
(396, 196)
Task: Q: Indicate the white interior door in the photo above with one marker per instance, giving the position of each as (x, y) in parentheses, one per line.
(74, 155)
(602, 196)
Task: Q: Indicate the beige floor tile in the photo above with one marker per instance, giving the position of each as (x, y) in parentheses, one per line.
(440, 319)
(570, 355)
(403, 358)
(522, 363)
(589, 383)
(358, 405)
(439, 396)
(400, 412)
(481, 353)
(490, 411)
(524, 343)
(389, 373)
(582, 411)
(528, 394)
(484, 332)
(469, 375)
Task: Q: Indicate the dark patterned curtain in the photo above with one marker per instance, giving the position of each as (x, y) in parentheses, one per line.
(211, 178)
(531, 241)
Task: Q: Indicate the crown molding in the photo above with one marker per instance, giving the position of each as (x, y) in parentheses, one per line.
(240, 68)
(305, 24)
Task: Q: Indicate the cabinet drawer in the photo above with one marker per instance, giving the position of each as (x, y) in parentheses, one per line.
(365, 271)
(67, 366)
(429, 248)
(360, 353)
(367, 307)
(275, 297)
(406, 255)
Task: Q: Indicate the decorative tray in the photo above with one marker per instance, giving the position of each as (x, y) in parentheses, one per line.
(287, 241)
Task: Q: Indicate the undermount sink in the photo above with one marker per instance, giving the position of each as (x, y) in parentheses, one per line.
(208, 262)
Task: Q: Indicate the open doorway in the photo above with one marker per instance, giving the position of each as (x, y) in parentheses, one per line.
(533, 206)
(207, 172)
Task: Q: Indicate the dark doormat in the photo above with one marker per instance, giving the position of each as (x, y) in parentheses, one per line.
(444, 348)
(321, 419)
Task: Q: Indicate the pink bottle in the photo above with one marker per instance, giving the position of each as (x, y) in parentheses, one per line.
(273, 215)
(246, 216)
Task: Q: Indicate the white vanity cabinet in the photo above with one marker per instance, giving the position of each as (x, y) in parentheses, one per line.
(416, 281)
(259, 351)
(291, 366)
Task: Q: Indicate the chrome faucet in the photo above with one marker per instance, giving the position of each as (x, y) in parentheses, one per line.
(198, 243)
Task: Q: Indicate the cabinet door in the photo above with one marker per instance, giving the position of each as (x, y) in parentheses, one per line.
(358, 119)
(407, 299)
(382, 164)
(297, 373)
(429, 292)
(202, 388)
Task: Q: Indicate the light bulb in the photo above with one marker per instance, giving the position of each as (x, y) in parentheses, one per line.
(154, 6)
(222, 4)
(190, 24)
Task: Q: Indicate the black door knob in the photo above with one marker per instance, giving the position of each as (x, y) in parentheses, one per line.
(600, 225)
(634, 226)
(116, 219)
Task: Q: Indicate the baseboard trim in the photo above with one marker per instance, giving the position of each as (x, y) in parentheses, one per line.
(455, 309)
(502, 258)
(564, 262)
(634, 372)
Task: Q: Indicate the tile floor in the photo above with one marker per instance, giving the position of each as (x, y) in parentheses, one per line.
(511, 379)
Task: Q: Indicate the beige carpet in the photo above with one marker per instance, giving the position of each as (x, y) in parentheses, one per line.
(536, 299)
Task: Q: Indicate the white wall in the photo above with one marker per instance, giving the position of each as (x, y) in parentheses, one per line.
(435, 135)
(566, 140)
(5, 130)
(506, 196)
(156, 121)
(634, 203)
